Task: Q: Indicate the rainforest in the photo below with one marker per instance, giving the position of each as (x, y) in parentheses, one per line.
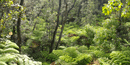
(64, 32)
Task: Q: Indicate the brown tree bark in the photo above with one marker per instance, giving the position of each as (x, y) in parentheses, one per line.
(54, 35)
(66, 12)
(18, 27)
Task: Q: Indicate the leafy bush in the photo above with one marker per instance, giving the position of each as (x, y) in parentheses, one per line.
(93, 48)
(9, 55)
(58, 52)
(83, 59)
(90, 32)
(98, 53)
(116, 58)
(71, 51)
(109, 23)
(66, 58)
(82, 49)
(119, 58)
(104, 61)
(52, 57)
(72, 56)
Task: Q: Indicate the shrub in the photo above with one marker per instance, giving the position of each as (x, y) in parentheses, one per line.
(72, 56)
(119, 58)
(82, 49)
(116, 58)
(83, 59)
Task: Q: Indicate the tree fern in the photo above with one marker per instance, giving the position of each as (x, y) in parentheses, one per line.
(9, 55)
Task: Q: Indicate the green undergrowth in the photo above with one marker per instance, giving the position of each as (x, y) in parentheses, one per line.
(9, 55)
(77, 55)
(81, 55)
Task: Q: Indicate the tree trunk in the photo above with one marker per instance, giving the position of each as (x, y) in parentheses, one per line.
(34, 26)
(71, 7)
(52, 6)
(53, 40)
(80, 6)
(13, 36)
(18, 27)
(1, 23)
(62, 26)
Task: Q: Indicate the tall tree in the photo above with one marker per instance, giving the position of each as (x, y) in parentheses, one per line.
(66, 13)
(54, 35)
(18, 26)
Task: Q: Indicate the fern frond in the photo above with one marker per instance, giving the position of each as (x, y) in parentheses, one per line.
(10, 50)
(7, 57)
(2, 45)
(2, 63)
(11, 45)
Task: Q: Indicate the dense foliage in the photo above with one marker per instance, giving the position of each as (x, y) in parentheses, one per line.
(9, 55)
(66, 32)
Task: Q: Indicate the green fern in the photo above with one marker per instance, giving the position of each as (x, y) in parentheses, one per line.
(2, 63)
(72, 56)
(104, 61)
(58, 52)
(83, 59)
(118, 57)
(71, 51)
(82, 49)
(10, 50)
(9, 55)
(67, 58)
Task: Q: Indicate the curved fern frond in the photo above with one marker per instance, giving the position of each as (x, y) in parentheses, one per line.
(9, 55)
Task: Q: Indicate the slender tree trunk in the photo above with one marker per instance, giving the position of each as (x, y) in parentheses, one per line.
(71, 7)
(18, 27)
(34, 26)
(13, 36)
(79, 12)
(1, 23)
(54, 35)
(66, 12)
(52, 6)
(80, 6)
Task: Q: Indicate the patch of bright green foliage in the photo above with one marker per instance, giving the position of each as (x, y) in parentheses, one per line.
(72, 56)
(116, 58)
(9, 55)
